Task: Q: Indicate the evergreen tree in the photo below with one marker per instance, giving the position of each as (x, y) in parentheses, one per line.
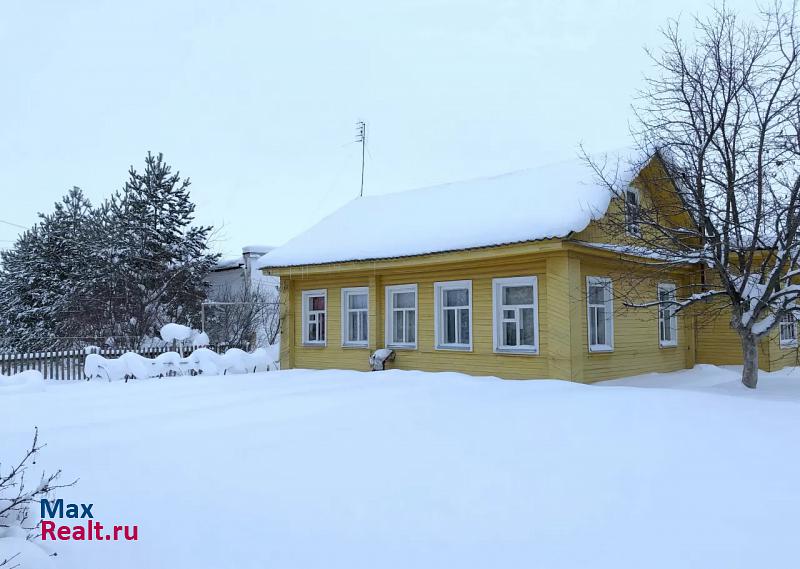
(119, 271)
(162, 258)
(46, 278)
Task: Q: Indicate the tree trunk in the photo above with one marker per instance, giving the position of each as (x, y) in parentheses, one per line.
(750, 354)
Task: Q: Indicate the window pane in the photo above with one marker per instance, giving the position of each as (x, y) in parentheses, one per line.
(464, 333)
(526, 327)
(597, 294)
(352, 325)
(518, 295)
(321, 328)
(508, 315)
(449, 326)
(456, 297)
(601, 324)
(357, 300)
(312, 332)
(403, 300)
(362, 331)
(510, 334)
(411, 317)
(316, 302)
(593, 326)
(397, 327)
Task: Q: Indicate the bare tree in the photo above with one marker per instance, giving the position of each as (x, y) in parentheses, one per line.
(246, 315)
(17, 497)
(722, 113)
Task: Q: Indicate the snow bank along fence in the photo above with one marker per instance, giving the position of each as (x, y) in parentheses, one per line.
(70, 364)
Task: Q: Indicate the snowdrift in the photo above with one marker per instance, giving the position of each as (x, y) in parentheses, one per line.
(201, 361)
(29, 380)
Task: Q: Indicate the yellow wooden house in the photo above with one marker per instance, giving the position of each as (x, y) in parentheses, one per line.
(512, 276)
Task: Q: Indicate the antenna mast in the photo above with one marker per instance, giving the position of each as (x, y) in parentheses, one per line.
(361, 136)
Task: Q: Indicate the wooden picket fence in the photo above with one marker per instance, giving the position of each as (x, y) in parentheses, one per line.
(69, 364)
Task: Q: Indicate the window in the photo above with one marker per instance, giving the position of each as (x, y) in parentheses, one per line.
(401, 316)
(453, 322)
(788, 331)
(355, 316)
(516, 315)
(632, 205)
(314, 316)
(601, 314)
(667, 319)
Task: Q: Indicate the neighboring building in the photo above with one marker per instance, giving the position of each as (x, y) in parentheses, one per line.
(242, 308)
(513, 276)
(232, 276)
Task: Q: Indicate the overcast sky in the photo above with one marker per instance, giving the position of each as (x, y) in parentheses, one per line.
(257, 101)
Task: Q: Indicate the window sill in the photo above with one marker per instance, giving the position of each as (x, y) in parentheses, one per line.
(453, 348)
(601, 349)
(668, 346)
(400, 347)
(355, 346)
(512, 352)
(788, 345)
(314, 344)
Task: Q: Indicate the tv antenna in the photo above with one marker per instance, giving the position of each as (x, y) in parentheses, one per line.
(361, 136)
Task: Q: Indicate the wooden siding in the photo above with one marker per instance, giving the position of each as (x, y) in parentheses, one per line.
(480, 361)
(636, 341)
(719, 344)
(563, 345)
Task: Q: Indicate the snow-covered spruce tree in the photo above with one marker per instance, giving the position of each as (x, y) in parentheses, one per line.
(722, 111)
(47, 277)
(160, 260)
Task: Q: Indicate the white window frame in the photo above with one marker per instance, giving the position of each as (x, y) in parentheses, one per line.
(439, 289)
(633, 227)
(498, 320)
(346, 292)
(673, 317)
(609, 306)
(305, 312)
(389, 324)
(785, 323)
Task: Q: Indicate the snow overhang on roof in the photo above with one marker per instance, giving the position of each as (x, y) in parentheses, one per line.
(256, 249)
(228, 264)
(527, 205)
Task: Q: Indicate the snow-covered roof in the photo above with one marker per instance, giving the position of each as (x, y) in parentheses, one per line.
(239, 262)
(527, 205)
(227, 264)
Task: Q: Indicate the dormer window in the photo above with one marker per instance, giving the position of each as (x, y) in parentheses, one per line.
(632, 213)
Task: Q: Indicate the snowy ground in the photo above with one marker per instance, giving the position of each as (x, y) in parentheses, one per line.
(302, 469)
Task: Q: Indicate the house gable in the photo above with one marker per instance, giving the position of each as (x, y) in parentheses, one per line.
(656, 192)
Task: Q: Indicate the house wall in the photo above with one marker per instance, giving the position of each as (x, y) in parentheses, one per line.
(480, 361)
(563, 335)
(636, 338)
(225, 282)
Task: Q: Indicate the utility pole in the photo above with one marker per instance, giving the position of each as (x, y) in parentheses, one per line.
(361, 136)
